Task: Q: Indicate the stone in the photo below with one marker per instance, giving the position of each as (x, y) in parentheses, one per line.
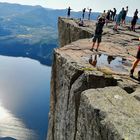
(89, 87)
(108, 114)
(136, 94)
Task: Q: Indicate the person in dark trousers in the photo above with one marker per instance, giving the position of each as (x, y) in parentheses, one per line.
(83, 14)
(89, 13)
(136, 62)
(134, 20)
(68, 13)
(114, 14)
(111, 15)
(118, 20)
(124, 15)
(107, 17)
(98, 33)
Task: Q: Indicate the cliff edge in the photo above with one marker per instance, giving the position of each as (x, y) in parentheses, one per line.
(92, 96)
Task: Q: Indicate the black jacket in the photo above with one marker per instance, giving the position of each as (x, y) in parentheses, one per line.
(99, 28)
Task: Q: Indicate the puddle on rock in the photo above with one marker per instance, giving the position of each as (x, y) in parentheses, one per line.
(116, 64)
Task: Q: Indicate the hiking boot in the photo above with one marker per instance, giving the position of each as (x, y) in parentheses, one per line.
(96, 50)
(131, 73)
(91, 49)
(139, 75)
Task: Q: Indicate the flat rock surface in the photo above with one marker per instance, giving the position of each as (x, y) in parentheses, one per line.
(116, 52)
(109, 108)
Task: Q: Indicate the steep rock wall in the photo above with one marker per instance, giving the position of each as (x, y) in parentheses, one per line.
(88, 103)
(68, 81)
(70, 31)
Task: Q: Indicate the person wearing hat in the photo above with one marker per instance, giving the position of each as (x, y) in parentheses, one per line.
(136, 61)
(98, 33)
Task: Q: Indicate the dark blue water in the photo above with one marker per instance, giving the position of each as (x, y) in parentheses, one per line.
(24, 98)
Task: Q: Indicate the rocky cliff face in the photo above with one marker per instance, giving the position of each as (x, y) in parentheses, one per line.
(70, 31)
(92, 96)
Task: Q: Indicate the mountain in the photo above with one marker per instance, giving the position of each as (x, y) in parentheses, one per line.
(31, 31)
(27, 31)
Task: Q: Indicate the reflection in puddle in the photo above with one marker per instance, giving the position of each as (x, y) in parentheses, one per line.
(13, 128)
(93, 60)
(115, 63)
(109, 59)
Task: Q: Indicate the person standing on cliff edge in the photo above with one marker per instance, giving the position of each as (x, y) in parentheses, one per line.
(136, 61)
(89, 13)
(98, 33)
(83, 14)
(68, 13)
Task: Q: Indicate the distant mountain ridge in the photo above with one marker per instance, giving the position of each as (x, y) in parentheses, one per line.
(31, 31)
(14, 13)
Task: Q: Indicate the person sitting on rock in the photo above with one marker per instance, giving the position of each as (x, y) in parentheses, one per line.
(136, 62)
(98, 33)
(83, 14)
(81, 23)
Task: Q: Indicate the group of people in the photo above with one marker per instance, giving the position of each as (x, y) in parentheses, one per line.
(83, 12)
(102, 19)
(122, 16)
(99, 30)
(111, 16)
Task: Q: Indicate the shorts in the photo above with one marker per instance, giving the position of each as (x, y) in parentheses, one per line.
(138, 54)
(123, 17)
(98, 38)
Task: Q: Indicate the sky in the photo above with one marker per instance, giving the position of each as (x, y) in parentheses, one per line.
(77, 5)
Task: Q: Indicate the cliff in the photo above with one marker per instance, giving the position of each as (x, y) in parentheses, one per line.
(92, 96)
(69, 31)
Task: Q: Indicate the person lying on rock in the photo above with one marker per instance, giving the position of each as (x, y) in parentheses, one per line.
(136, 62)
(98, 33)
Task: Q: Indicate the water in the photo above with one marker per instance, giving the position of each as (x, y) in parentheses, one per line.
(24, 98)
(117, 64)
